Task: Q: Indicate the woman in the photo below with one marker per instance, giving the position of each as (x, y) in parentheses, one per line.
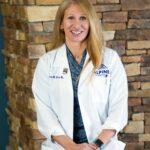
(80, 86)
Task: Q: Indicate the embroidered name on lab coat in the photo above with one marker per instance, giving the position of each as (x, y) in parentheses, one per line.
(56, 77)
(57, 73)
(102, 71)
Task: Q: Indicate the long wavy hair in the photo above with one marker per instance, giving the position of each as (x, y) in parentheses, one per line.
(94, 38)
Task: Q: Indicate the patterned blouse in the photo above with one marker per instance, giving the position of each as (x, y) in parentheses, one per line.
(79, 134)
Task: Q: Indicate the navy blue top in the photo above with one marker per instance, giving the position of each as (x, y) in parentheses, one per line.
(79, 134)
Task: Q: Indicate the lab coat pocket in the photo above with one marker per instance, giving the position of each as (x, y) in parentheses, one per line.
(101, 86)
(100, 92)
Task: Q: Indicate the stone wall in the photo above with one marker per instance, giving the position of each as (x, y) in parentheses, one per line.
(27, 31)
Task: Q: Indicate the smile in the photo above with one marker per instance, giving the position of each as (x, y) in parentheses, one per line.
(76, 32)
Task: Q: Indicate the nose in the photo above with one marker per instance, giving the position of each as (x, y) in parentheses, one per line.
(77, 23)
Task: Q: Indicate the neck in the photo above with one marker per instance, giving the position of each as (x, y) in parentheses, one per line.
(76, 48)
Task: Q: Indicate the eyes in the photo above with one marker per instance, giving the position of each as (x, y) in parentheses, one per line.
(82, 18)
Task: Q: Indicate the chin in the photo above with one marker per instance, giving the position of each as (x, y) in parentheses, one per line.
(78, 40)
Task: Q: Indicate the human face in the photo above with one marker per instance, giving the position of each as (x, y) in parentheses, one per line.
(75, 24)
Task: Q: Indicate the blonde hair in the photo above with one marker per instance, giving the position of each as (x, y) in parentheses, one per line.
(94, 38)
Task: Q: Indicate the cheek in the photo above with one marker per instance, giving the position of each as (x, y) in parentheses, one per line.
(86, 26)
(67, 27)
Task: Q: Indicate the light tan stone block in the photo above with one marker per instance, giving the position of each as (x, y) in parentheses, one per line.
(134, 145)
(108, 1)
(135, 4)
(130, 59)
(30, 123)
(22, 13)
(145, 85)
(12, 102)
(138, 117)
(115, 17)
(35, 27)
(48, 46)
(147, 122)
(134, 85)
(40, 13)
(134, 101)
(147, 129)
(48, 2)
(20, 35)
(31, 104)
(13, 143)
(99, 15)
(6, 10)
(40, 37)
(108, 35)
(146, 101)
(48, 26)
(135, 52)
(138, 44)
(104, 8)
(114, 26)
(147, 115)
(139, 93)
(35, 51)
(9, 82)
(145, 70)
(132, 69)
(144, 137)
(134, 127)
(139, 23)
(25, 69)
(4, 1)
(15, 122)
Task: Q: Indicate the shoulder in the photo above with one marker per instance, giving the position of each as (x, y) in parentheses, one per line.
(109, 53)
(49, 57)
(112, 60)
(110, 56)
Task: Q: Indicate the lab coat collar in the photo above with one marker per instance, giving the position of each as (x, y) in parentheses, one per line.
(61, 54)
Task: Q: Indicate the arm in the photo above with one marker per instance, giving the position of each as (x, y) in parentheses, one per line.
(117, 110)
(106, 135)
(65, 141)
(47, 120)
(68, 144)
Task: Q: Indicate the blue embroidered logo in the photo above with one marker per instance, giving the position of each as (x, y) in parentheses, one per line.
(102, 71)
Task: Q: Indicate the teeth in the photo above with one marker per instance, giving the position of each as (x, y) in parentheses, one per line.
(76, 32)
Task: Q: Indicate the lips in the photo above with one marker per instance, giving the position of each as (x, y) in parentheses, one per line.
(76, 33)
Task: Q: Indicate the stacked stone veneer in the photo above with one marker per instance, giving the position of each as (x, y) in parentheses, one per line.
(28, 25)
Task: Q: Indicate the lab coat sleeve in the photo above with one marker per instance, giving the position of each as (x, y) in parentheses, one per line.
(47, 120)
(118, 96)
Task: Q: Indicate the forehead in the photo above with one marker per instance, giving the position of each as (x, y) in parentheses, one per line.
(74, 9)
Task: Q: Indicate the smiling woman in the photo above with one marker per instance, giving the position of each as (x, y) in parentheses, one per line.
(80, 86)
(75, 24)
(76, 27)
(79, 12)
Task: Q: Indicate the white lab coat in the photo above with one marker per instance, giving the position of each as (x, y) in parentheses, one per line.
(102, 97)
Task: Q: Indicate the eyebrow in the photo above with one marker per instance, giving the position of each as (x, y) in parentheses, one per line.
(73, 14)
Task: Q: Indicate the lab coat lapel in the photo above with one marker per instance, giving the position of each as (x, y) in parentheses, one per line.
(87, 70)
(63, 61)
(66, 89)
